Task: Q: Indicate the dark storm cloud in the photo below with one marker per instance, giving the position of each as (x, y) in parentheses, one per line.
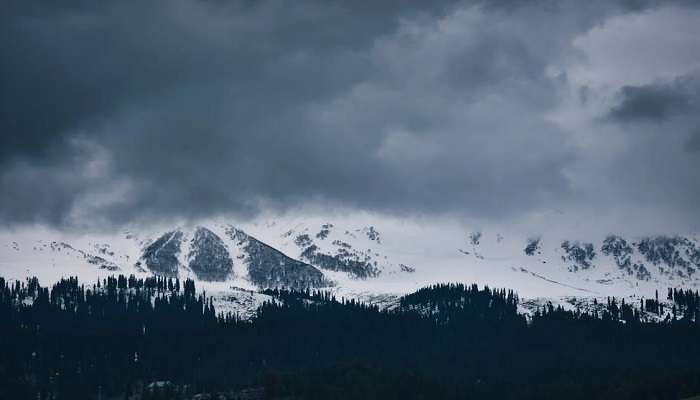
(659, 165)
(32, 193)
(693, 143)
(125, 110)
(68, 65)
(653, 102)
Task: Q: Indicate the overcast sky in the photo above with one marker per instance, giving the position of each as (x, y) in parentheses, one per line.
(119, 111)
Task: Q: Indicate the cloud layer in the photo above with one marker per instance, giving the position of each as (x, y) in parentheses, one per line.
(122, 111)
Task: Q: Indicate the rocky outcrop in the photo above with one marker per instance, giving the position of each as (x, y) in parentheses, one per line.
(672, 255)
(339, 255)
(208, 257)
(621, 251)
(270, 268)
(160, 256)
(533, 247)
(580, 255)
(345, 260)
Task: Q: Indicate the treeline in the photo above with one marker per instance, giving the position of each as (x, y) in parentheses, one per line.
(116, 338)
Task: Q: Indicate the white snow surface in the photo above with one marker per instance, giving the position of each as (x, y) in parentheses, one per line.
(409, 254)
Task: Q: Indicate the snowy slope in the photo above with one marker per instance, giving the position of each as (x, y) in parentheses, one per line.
(370, 259)
(408, 256)
(51, 255)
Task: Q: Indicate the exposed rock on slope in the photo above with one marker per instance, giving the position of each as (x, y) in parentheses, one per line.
(621, 251)
(160, 256)
(579, 254)
(270, 268)
(208, 258)
(678, 254)
(533, 246)
(345, 259)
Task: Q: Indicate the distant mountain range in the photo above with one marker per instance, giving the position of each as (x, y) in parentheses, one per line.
(360, 261)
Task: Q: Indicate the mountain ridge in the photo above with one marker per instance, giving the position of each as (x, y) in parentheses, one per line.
(363, 261)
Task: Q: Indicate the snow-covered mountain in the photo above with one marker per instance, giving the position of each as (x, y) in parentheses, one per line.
(356, 259)
(230, 255)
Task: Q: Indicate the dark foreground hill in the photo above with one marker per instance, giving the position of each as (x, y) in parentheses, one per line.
(126, 338)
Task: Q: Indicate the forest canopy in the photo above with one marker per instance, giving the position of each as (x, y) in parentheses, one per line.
(129, 338)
